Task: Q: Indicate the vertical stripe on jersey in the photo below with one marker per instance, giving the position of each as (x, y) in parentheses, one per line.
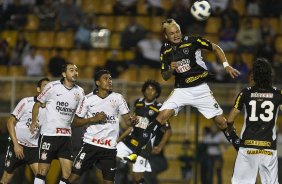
(199, 59)
(245, 120)
(40, 146)
(274, 126)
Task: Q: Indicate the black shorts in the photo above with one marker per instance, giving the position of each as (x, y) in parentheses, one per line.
(53, 147)
(12, 162)
(90, 154)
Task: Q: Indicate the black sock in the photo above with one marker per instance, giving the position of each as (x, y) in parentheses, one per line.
(148, 134)
(41, 177)
(65, 180)
(232, 137)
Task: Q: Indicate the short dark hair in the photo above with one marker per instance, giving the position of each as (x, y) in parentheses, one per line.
(42, 80)
(65, 66)
(262, 73)
(99, 73)
(154, 84)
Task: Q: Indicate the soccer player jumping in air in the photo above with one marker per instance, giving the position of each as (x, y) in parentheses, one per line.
(181, 56)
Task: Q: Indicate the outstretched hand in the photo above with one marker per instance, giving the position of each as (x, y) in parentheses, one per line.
(232, 72)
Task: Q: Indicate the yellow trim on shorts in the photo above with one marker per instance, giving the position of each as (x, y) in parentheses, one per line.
(257, 143)
(255, 152)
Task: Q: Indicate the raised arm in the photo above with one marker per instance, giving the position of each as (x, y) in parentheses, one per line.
(222, 58)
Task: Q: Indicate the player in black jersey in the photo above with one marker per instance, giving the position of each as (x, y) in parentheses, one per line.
(181, 56)
(258, 136)
(146, 109)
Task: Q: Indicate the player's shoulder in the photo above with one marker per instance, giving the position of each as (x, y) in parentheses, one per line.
(277, 90)
(30, 99)
(116, 95)
(139, 101)
(166, 47)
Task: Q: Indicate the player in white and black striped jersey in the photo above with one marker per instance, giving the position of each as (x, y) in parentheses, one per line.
(23, 146)
(257, 151)
(61, 98)
(100, 111)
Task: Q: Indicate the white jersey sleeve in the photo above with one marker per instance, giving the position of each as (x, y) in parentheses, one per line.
(82, 109)
(123, 107)
(23, 114)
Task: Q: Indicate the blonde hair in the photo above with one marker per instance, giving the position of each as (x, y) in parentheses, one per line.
(168, 23)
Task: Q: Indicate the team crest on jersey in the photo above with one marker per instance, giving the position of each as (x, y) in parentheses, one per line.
(78, 164)
(43, 155)
(186, 51)
(76, 96)
(113, 103)
(151, 112)
(215, 105)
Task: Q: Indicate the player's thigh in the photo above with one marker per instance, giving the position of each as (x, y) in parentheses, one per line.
(85, 159)
(268, 168)
(205, 102)
(141, 165)
(66, 165)
(34, 168)
(48, 146)
(246, 167)
(31, 157)
(11, 161)
(65, 147)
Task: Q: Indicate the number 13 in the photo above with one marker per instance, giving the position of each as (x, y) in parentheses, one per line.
(268, 107)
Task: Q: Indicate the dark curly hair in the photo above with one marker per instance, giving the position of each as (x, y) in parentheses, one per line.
(99, 73)
(262, 73)
(154, 84)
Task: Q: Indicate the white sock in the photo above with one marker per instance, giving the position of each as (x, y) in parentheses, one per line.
(62, 182)
(39, 181)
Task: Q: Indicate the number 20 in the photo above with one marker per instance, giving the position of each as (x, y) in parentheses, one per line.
(268, 107)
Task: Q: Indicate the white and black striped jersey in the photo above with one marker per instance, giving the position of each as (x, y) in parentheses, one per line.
(23, 115)
(61, 104)
(261, 110)
(103, 134)
(191, 69)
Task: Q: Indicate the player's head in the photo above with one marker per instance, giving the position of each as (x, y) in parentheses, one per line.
(103, 80)
(70, 72)
(171, 31)
(151, 90)
(262, 73)
(42, 83)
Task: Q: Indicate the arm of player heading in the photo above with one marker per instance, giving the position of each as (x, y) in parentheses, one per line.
(35, 112)
(11, 123)
(232, 116)
(157, 149)
(168, 73)
(99, 117)
(124, 134)
(221, 56)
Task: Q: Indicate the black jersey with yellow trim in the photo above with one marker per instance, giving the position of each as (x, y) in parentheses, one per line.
(147, 111)
(191, 69)
(261, 110)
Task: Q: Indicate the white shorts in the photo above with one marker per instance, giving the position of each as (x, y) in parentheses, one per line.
(141, 164)
(249, 162)
(200, 97)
